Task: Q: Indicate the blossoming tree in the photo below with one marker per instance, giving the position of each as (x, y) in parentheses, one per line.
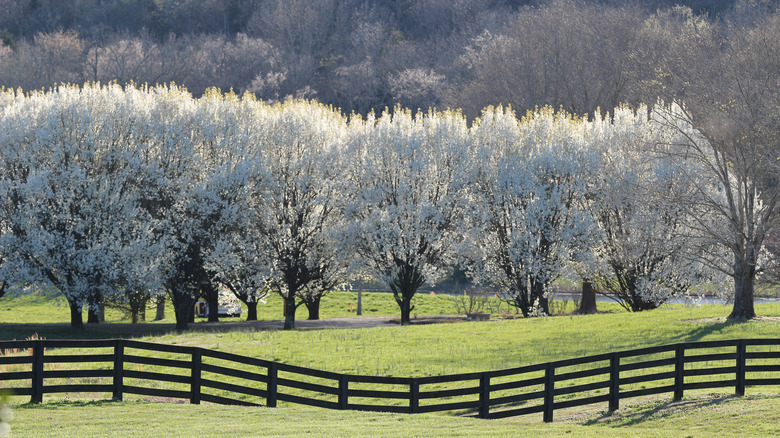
(407, 201)
(527, 221)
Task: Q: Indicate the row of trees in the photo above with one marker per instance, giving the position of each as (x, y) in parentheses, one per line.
(363, 55)
(119, 191)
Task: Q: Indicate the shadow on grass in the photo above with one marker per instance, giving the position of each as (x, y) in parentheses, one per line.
(634, 416)
(101, 331)
(108, 330)
(707, 328)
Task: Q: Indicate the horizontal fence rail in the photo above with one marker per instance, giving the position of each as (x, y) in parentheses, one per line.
(118, 367)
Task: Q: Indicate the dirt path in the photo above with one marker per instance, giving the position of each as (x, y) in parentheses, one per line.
(334, 323)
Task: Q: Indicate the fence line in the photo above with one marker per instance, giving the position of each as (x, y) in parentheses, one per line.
(201, 375)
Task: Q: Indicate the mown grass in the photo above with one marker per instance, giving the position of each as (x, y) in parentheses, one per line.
(753, 416)
(426, 350)
(477, 346)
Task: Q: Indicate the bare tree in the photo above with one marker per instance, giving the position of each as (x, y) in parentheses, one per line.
(46, 60)
(568, 54)
(731, 90)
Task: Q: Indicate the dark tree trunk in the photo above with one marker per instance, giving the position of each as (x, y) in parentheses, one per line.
(76, 320)
(521, 301)
(537, 296)
(313, 306)
(93, 316)
(137, 300)
(744, 280)
(211, 294)
(2, 288)
(404, 286)
(406, 310)
(588, 301)
(289, 312)
(183, 308)
(93, 311)
(160, 308)
(251, 310)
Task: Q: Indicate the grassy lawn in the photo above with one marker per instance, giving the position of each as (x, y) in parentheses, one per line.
(713, 416)
(417, 350)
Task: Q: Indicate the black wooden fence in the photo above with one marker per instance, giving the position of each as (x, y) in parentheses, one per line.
(196, 374)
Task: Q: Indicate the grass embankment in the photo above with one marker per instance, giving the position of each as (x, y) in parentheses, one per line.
(432, 350)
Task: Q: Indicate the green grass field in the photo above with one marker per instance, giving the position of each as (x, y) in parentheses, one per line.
(417, 350)
(708, 417)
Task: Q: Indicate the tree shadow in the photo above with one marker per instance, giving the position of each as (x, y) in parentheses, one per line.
(707, 329)
(641, 414)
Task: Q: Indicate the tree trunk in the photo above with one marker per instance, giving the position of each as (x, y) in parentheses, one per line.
(160, 314)
(183, 308)
(313, 305)
(251, 311)
(521, 301)
(92, 316)
(211, 294)
(76, 320)
(544, 305)
(406, 310)
(93, 312)
(289, 312)
(537, 296)
(404, 286)
(360, 302)
(137, 300)
(744, 279)
(588, 301)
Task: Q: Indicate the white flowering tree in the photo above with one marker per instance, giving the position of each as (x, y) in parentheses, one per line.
(527, 220)
(236, 256)
(195, 174)
(297, 209)
(647, 251)
(67, 193)
(407, 201)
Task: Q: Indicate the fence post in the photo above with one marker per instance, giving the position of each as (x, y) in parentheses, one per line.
(549, 393)
(273, 372)
(414, 396)
(679, 371)
(484, 395)
(119, 367)
(614, 381)
(195, 385)
(343, 391)
(37, 372)
(741, 355)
